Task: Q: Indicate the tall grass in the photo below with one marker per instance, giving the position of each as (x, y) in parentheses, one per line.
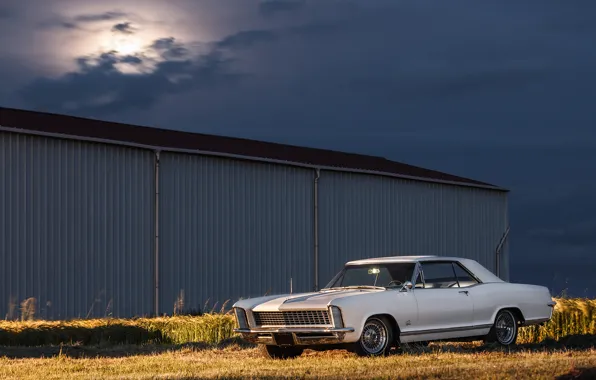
(571, 316)
(207, 328)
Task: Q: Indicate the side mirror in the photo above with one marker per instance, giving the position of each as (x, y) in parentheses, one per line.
(407, 286)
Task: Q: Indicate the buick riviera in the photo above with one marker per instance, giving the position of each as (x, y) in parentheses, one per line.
(373, 305)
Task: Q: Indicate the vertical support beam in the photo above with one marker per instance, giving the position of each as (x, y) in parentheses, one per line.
(156, 248)
(316, 230)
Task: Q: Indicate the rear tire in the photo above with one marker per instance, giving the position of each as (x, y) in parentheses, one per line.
(376, 338)
(504, 330)
(278, 352)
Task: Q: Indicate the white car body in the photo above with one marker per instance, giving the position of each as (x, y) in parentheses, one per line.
(421, 310)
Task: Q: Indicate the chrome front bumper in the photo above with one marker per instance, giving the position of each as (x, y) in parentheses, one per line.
(290, 336)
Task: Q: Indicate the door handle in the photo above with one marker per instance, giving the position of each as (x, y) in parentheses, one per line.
(464, 291)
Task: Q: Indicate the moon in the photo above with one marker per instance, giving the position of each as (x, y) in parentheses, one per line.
(125, 45)
(122, 43)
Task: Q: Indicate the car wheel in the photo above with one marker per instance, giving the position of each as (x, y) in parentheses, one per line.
(505, 328)
(277, 352)
(376, 338)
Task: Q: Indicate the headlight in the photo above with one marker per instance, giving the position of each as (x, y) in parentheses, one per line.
(241, 318)
(336, 316)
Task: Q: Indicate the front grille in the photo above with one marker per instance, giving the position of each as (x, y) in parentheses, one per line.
(292, 318)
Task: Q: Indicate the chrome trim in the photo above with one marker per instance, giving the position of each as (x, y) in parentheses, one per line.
(294, 330)
(241, 317)
(419, 269)
(452, 329)
(251, 318)
(336, 324)
(265, 335)
(293, 318)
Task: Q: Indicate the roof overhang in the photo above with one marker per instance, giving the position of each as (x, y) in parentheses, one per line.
(89, 132)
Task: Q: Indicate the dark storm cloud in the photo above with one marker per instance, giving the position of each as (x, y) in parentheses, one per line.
(106, 16)
(271, 7)
(98, 85)
(169, 48)
(131, 59)
(124, 28)
(250, 38)
(247, 38)
(79, 21)
(347, 64)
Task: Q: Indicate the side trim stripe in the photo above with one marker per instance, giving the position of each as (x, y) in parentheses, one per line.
(452, 329)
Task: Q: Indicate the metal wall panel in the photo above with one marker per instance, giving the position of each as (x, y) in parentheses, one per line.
(365, 216)
(76, 227)
(231, 229)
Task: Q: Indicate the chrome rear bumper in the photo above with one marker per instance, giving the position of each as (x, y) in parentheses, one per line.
(289, 336)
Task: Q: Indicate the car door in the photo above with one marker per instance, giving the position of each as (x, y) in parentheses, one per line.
(483, 300)
(444, 309)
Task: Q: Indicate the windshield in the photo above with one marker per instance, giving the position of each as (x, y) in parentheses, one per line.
(383, 275)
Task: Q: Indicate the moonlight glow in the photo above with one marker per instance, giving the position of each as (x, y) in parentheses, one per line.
(123, 44)
(88, 30)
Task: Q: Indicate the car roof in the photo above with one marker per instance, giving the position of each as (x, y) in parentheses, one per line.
(401, 259)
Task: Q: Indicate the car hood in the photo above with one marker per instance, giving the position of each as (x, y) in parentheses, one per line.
(314, 300)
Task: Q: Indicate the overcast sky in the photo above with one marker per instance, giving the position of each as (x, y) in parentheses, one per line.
(502, 91)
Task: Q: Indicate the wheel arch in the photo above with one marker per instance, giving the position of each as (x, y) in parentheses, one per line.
(392, 321)
(519, 321)
(517, 313)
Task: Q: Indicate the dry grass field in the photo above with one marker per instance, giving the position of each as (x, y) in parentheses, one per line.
(185, 347)
(233, 361)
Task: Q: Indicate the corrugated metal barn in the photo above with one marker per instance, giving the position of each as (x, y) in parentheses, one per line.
(100, 218)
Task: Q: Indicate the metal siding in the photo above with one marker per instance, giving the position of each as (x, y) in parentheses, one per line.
(76, 227)
(363, 216)
(231, 229)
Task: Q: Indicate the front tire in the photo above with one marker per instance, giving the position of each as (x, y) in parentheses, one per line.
(277, 352)
(505, 329)
(376, 338)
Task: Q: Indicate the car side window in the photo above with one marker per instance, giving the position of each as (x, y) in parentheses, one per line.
(438, 275)
(463, 277)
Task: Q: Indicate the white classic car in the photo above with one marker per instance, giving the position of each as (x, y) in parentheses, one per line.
(375, 304)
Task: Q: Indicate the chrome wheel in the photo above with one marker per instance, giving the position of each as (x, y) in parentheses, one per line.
(374, 337)
(505, 327)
